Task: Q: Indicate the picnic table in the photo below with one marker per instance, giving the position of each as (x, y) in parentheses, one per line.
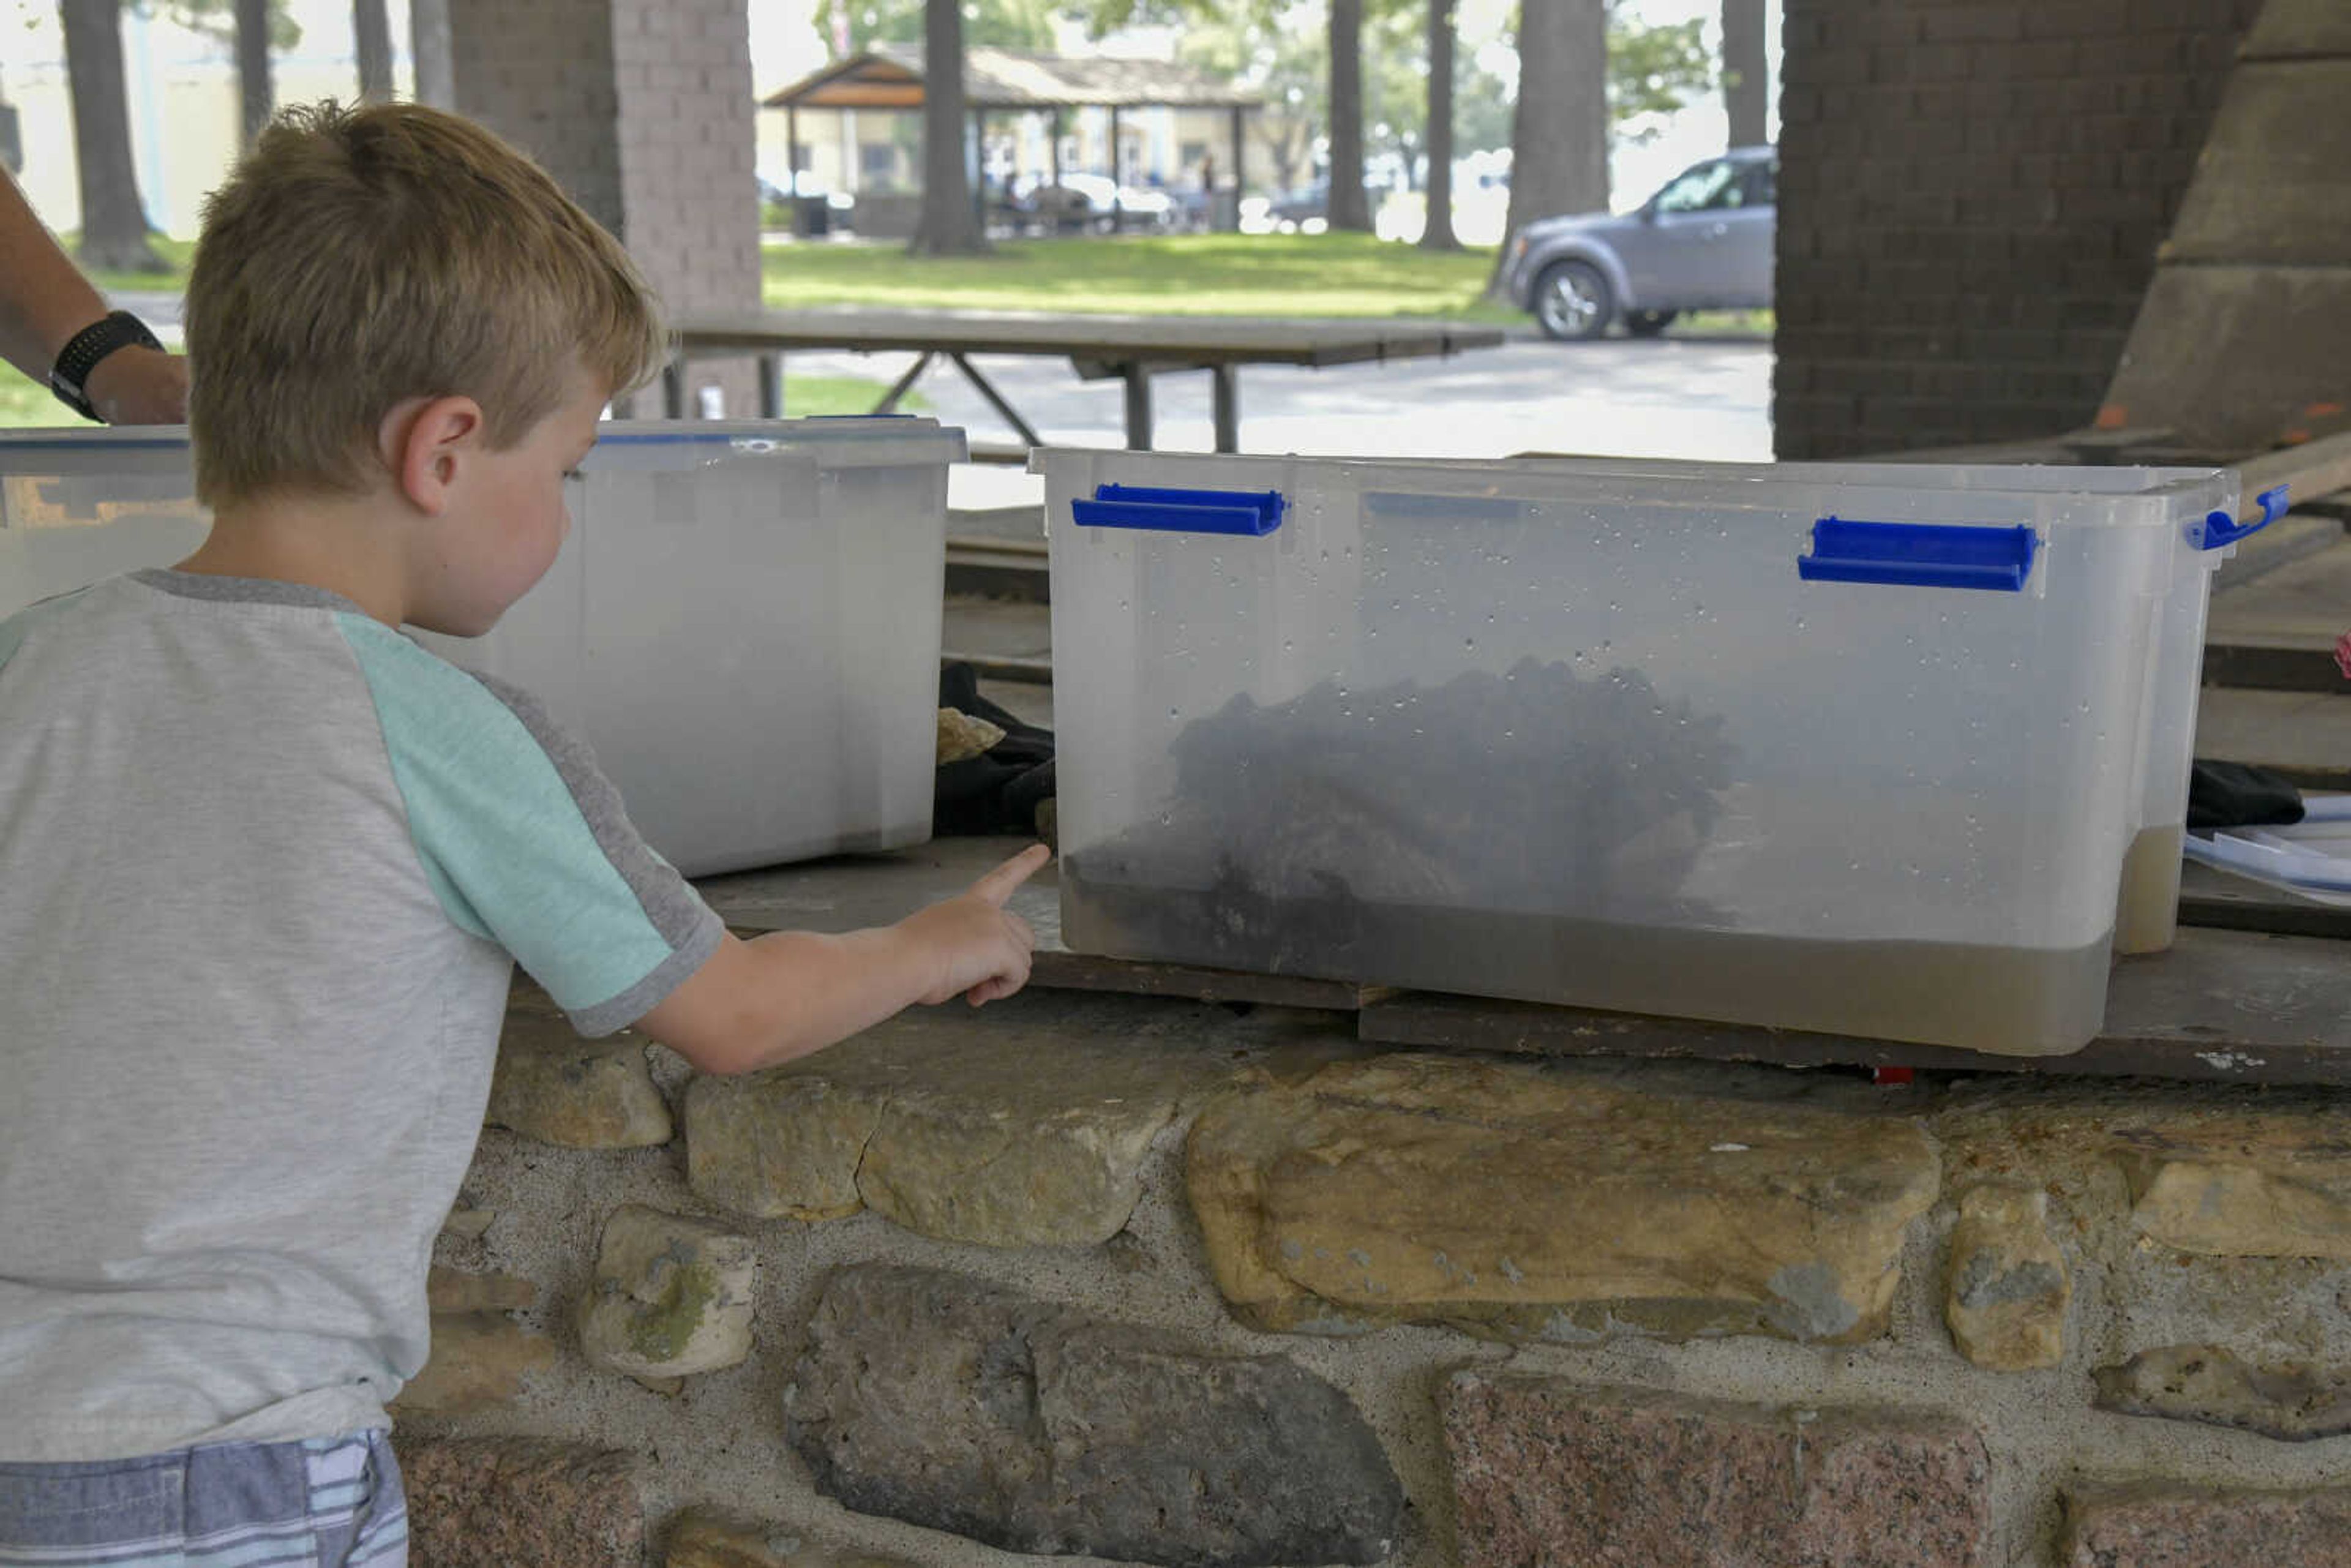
(1132, 349)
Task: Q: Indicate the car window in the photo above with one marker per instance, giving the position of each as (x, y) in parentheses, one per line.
(1709, 185)
(1762, 185)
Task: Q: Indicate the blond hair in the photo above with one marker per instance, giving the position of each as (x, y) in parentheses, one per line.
(359, 258)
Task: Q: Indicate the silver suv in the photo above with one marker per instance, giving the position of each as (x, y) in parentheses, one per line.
(1702, 243)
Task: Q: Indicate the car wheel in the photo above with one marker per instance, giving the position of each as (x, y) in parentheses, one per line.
(1648, 323)
(1572, 301)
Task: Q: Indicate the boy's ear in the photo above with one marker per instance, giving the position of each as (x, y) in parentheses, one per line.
(426, 442)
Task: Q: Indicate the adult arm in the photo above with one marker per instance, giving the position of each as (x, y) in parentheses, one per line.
(44, 301)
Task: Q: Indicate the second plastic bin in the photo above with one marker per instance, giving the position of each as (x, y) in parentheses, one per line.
(743, 624)
(1861, 751)
(2204, 500)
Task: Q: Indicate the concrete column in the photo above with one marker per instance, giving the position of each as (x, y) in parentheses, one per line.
(643, 109)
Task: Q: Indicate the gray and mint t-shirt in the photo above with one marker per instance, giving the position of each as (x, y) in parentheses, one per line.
(262, 865)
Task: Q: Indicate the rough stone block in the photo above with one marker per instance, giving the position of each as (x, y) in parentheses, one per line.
(1530, 1203)
(945, 1126)
(2153, 1526)
(491, 1502)
(671, 1297)
(2009, 1286)
(1548, 1471)
(557, 1088)
(454, 1290)
(477, 1363)
(710, 1538)
(960, 1406)
(2242, 1185)
(781, 1144)
(2206, 1383)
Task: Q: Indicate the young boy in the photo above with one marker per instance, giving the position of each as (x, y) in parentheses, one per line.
(265, 863)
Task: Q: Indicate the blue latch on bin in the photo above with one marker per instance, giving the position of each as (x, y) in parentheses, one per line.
(2220, 529)
(1920, 555)
(1248, 513)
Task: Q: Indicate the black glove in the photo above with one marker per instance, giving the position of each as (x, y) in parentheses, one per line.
(2236, 795)
(1000, 791)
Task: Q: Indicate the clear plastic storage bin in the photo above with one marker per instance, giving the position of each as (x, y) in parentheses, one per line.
(2147, 916)
(742, 625)
(1861, 749)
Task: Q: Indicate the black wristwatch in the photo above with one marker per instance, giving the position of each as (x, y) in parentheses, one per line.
(82, 353)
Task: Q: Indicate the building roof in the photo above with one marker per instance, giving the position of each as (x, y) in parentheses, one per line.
(890, 76)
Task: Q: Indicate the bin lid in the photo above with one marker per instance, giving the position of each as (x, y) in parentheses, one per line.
(862, 440)
(855, 441)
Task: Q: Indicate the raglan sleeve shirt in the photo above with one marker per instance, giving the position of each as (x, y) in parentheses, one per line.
(525, 842)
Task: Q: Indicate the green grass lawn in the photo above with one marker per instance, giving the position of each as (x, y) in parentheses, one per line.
(805, 396)
(24, 402)
(1178, 275)
(176, 252)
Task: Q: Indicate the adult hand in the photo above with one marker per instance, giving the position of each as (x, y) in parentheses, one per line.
(140, 386)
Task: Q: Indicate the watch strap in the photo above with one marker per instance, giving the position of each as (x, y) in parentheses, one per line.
(70, 378)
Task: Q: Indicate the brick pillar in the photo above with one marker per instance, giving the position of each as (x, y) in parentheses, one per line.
(1971, 193)
(643, 109)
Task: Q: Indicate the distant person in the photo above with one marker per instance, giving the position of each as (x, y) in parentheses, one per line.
(55, 329)
(267, 864)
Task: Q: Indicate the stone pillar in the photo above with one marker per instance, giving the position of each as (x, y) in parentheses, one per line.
(643, 109)
(1971, 196)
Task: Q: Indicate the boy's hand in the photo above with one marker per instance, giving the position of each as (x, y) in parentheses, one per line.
(981, 949)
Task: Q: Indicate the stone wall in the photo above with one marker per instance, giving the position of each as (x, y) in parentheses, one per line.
(1971, 193)
(1170, 1282)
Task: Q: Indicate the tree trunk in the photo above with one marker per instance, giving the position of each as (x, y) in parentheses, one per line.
(372, 30)
(1438, 234)
(1348, 208)
(113, 220)
(1559, 140)
(1746, 72)
(948, 227)
(436, 72)
(257, 96)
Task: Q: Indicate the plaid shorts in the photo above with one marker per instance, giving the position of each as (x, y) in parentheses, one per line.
(329, 1503)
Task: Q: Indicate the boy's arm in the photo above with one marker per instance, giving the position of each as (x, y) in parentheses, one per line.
(754, 1004)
